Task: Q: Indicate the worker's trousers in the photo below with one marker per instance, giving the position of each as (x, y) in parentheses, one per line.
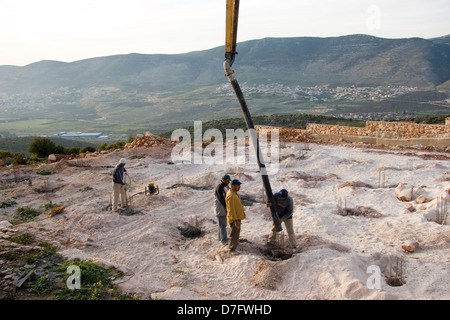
(222, 222)
(289, 224)
(234, 237)
(119, 192)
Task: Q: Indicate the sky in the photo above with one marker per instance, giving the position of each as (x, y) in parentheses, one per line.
(71, 30)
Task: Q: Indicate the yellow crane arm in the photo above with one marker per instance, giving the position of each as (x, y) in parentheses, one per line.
(231, 30)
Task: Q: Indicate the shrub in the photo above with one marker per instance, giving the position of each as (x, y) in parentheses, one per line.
(7, 203)
(42, 286)
(24, 238)
(50, 205)
(73, 150)
(44, 172)
(24, 214)
(115, 145)
(6, 156)
(19, 158)
(42, 147)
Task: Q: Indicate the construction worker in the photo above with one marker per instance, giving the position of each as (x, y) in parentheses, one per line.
(220, 207)
(235, 214)
(285, 205)
(119, 186)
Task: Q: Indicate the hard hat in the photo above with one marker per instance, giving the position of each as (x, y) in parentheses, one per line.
(283, 193)
(123, 161)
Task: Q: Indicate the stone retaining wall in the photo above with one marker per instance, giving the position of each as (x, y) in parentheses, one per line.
(377, 132)
(336, 130)
(401, 130)
(284, 134)
(383, 129)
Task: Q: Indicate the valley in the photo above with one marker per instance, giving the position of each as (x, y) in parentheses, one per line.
(355, 77)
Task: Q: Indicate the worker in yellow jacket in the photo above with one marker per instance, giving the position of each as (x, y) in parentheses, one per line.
(235, 213)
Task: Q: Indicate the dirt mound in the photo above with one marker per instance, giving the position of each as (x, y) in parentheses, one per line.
(266, 276)
(149, 141)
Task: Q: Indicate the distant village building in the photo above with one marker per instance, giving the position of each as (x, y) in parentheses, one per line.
(82, 135)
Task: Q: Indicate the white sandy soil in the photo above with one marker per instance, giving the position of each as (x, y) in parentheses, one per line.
(335, 251)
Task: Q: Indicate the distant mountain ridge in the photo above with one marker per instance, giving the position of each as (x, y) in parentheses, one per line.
(134, 93)
(359, 60)
(444, 39)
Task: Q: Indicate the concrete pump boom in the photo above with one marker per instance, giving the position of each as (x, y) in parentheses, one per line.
(232, 13)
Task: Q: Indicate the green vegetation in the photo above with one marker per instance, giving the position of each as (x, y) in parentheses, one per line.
(20, 144)
(38, 149)
(42, 286)
(9, 157)
(96, 282)
(50, 205)
(8, 203)
(427, 102)
(25, 239)
(24, 214)
(42, 147)
(33, 255)
(115, 145)
(428, 119)
(44, 172)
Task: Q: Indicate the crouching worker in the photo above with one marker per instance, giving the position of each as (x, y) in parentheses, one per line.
(119, 186)
(235, 214)
(285, 206)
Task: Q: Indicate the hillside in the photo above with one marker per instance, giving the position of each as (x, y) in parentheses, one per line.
(353, 60)
(162, 92)
(350, 60)
(444, 39)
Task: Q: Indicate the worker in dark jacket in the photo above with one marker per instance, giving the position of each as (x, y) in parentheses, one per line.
(220, 207)
(285, 206)
(119, 186)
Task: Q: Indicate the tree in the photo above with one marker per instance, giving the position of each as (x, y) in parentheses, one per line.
(42, 147)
